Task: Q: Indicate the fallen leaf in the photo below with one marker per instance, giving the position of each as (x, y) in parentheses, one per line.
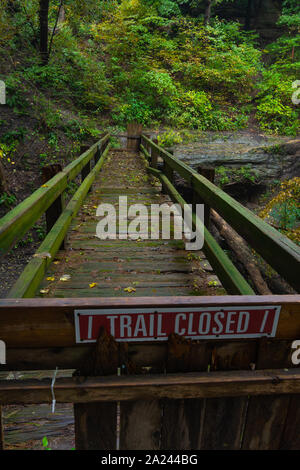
(65, 277)
(93, 284)
(42, 255)
(50, 278)
(129, 289)
(44, 291)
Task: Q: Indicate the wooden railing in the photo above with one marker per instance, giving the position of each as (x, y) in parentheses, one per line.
(278, 251)
(18, 221)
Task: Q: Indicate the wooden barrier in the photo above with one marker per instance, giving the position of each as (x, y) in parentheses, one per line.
(179, 394)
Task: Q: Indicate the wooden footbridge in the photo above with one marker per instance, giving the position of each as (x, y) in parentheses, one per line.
(170, 349)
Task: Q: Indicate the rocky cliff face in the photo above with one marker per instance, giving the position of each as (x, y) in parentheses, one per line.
(267, 162)
(275, 162)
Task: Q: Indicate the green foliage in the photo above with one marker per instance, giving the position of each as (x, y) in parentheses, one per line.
(168, 139)
(7, 199)
(16, 93)
(283, 209)
(227, 175)
(133, 110)
(45, 443)
(151, 61)
(275, 109)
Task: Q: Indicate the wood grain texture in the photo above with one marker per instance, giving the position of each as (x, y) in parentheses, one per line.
(266, 416)
(20, 319)
(224, 418)
(96, 423)
(182, 419)
(290, 438)
(153, 387)
(140, 425)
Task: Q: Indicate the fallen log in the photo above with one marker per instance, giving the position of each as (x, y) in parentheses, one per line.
(243, 253)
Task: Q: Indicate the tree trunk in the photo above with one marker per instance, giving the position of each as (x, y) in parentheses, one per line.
(248, 15)
(243, 253)
(3, 182)
(43, 14)
(207, 13)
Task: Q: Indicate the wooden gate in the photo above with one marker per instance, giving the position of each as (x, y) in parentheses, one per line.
(180, 393)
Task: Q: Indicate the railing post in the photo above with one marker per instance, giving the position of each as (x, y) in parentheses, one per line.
(87, 168)
(56, 208)
(208, 173)
(147, 145)
(169, 173)
(168, 170)
(134, 132)
(98, 153)
(154, 155)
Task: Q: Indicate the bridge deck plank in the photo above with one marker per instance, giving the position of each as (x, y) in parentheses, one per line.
(151, 267)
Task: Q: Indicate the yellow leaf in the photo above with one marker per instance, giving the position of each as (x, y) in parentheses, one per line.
(93, 284)
(51, 278)
(65, 277)
(129, 289)
(44, 291)
(44, 186)
(42, 255)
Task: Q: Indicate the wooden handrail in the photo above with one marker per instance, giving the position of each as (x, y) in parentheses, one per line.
(29, 280)
(278, 250)
(151, 387)
(16, 223)
(228, 274)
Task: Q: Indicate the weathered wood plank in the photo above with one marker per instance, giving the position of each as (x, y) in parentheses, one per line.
(152, 387)
(21, 326)
(140, 425)
(182, 419)
(140, 356)
(266, 416)
(96, 423)
(224, 417)
(265, 422)
(140, 421)
(223, 423)
(290, 439)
